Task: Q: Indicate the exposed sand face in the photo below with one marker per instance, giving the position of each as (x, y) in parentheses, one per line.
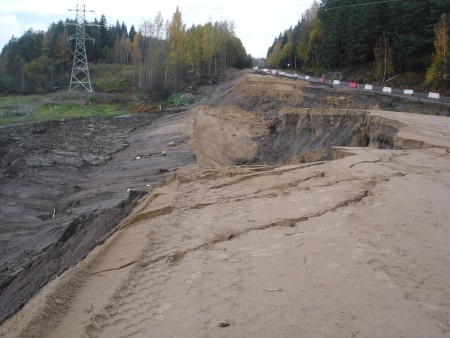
(358, 246)
(223, 134)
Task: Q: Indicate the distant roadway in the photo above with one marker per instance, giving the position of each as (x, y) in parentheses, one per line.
(353, 86)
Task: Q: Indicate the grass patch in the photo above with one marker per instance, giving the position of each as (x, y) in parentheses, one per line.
(179, 99)
(71, 110)
(55, 106)
(112, 78)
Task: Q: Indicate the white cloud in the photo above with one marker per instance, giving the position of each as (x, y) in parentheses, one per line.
(257, 22)
(10, 26)
(13, 26)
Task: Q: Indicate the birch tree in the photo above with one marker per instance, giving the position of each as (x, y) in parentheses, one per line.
(177, 51)
(439, 72)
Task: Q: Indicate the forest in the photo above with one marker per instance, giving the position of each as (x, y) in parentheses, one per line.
(387, 37)
(164, 54)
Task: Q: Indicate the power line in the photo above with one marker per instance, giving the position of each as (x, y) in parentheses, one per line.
(247, 6)
(365, 4)
(80, 69)
(248, 9)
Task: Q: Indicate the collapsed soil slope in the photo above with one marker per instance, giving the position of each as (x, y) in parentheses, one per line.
(345, 247)
(64, 189)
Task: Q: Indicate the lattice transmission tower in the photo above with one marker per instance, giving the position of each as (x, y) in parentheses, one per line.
(80, 77)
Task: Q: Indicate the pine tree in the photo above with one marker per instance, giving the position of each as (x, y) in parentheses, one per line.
(103, 34)
(132, 33)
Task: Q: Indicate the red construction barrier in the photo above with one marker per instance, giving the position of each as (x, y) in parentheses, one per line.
(353, 85)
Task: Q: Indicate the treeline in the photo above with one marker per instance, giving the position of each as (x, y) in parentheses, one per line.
(167, 53)
(395, 36)
(164, 53)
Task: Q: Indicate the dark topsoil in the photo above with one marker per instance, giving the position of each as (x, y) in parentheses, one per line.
(66, 185)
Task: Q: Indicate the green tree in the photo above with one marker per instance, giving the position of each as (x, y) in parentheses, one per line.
(104, 36)
(132, 33)
(106, 54)
(239, 57)
(63, 57)
(38, 71)
(274, 55)
(316, 44)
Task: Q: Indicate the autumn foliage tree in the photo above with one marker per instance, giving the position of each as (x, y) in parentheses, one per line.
(384, 62)
(439, 72)
(170, 52)
(163, 54)
(136, 59)
(177, 62)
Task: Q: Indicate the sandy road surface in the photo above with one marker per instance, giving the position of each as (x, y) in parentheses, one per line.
(354, 247)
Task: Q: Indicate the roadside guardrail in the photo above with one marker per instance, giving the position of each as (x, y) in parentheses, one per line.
(407, 93)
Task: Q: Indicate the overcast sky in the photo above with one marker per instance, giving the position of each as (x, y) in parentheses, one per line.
(257, 22)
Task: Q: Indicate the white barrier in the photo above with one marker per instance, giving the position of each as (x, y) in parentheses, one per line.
(387, 90)
(409, 92)
(307, 77)
(336, 82)
(368, 87)
(434, 96)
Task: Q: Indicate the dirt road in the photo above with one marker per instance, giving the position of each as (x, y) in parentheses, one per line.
(344, 235)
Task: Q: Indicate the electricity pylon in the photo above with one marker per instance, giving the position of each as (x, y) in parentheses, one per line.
(80, 69)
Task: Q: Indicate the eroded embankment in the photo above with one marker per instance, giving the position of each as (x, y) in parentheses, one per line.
(198, 244)
(60, 196)
(307, 135)
(64, 189)
(302, 123)
(229, 135)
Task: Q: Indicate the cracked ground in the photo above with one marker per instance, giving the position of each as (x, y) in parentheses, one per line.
(354, 247)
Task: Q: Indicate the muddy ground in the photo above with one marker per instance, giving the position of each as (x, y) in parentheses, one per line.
(65, 186)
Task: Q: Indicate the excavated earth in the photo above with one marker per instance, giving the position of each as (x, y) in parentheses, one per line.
(273, 208)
